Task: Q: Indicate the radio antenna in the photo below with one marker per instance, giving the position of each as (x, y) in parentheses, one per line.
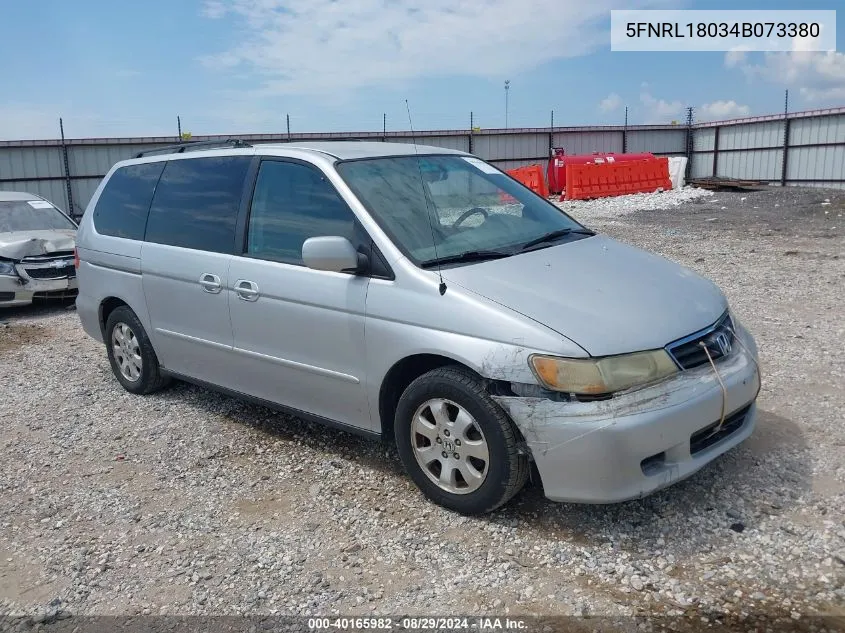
(428, 207)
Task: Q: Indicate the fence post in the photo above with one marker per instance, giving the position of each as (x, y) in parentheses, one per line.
(625, 133)
(70, 210)
(690, 114)
(785, 139)
(716, 152)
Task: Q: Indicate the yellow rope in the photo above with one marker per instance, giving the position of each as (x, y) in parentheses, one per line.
(721, 384)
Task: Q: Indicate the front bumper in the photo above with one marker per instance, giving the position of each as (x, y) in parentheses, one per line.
(13, 292)
(639, 442)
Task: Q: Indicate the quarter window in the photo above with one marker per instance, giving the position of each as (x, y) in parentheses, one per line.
(196, 203)
(291, 203)
(122, 207)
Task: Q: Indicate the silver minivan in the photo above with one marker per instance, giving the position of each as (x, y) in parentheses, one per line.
(421, 295)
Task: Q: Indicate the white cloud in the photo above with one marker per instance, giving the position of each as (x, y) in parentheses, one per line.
(722, 110)
(735, 58)
(818, 76)
(610, 103)
(660, 110)
(323, 46)
(213, 9)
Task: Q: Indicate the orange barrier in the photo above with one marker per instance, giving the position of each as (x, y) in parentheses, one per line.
(616, 179)
(532, 177)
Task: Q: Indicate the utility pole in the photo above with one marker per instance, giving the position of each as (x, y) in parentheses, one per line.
(287, 116)
(179, 126)
(507, 90)
(384, 126)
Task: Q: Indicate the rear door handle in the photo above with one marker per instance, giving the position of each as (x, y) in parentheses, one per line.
(246, 290)
(210, 283)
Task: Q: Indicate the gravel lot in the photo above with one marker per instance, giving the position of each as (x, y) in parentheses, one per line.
(190, 502)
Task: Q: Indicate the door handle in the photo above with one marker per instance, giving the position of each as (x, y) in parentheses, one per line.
(246, 290)
(210, 283)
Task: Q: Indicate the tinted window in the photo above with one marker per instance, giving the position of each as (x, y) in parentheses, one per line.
(196, 203)
(291, 203)
(32, 215)
(125, 201)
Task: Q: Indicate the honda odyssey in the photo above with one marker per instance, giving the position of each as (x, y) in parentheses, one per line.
(418, 294)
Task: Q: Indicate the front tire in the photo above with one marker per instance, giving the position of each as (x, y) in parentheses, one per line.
(131, 355)
(457, 444)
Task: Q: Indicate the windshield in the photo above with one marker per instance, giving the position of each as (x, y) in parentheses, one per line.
(32, 215)
(473, 207)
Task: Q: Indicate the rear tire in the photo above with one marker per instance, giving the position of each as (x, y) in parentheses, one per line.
(131, 355)
(457, 444)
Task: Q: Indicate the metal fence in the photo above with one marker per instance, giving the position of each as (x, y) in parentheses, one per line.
(801, 148)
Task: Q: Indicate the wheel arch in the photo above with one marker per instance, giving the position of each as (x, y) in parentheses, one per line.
(404, 371)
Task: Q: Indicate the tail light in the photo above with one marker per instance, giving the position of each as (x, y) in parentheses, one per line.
(75, 258)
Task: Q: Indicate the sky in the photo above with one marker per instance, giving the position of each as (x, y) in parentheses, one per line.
(241, 66)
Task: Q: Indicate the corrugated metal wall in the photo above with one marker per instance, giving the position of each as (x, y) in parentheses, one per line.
(745, 149)
(754, 149)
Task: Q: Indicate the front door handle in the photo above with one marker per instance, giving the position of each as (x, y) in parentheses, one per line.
(246, 290)
(210, 283)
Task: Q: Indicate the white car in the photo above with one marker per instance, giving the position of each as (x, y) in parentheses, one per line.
(36, 250)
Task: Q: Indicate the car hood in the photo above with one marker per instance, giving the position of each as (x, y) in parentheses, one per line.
(20, 244)
(607, 297)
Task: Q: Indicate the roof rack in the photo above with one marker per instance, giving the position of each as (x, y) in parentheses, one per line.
(191, 146)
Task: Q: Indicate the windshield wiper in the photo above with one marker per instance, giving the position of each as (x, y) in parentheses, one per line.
(469, 256)
(553, 235)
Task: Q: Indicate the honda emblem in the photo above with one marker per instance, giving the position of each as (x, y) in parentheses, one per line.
(723, 342)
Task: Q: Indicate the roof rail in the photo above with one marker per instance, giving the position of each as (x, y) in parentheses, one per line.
(191, 146)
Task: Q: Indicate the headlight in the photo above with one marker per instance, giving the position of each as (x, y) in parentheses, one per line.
(8, 269)
(602, 375)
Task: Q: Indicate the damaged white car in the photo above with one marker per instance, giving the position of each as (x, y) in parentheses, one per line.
(37, 245)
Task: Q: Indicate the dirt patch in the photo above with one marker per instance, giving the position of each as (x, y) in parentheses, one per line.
(15, 335)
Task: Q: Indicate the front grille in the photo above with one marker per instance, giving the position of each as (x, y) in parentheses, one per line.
(712, 434)
(50, 295)
(718, 338)
(64, 272)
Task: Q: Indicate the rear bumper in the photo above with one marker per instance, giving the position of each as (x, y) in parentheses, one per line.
(88, 310)
(15, 293)
(640, 442)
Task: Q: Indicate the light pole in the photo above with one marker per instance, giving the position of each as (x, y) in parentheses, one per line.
(507, 90)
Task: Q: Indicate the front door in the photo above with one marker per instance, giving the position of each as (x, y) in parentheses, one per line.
(298, 332)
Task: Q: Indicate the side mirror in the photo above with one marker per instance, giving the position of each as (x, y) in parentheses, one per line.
(332, 253)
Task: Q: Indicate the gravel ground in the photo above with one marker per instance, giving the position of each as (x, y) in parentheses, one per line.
(190, 502)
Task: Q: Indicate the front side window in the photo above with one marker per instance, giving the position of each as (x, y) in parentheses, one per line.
(123, 204)
(446, 206)
(291, 203)
(32, 215)
(196, 203)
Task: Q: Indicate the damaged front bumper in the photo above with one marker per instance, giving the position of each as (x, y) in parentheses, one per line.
(641, 441)
(53, 278)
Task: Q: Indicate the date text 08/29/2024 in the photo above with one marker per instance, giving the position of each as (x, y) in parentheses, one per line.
(420, 623)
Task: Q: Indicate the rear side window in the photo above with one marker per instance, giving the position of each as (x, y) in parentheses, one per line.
(123, 205)
(196, 203)
(291, 203)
